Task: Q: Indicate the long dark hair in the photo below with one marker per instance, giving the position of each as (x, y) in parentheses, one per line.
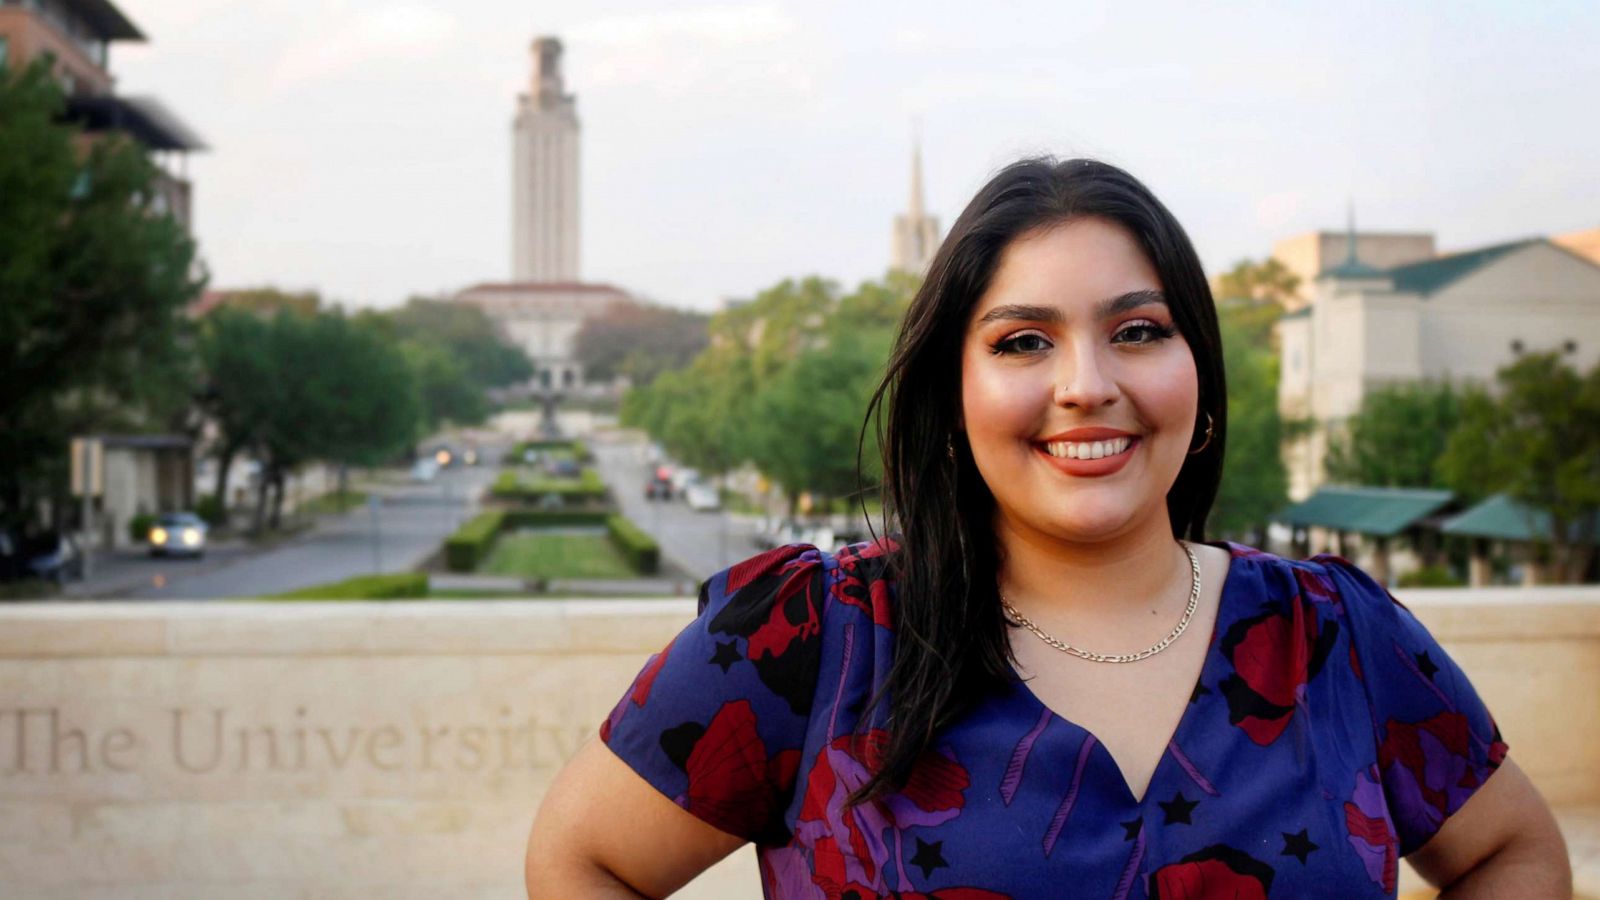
(950, 638)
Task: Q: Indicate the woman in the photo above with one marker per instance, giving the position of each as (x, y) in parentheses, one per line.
(1047, 686)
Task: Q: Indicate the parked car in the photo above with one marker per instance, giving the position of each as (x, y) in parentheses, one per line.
(52, 556)
(424, 470)
(781, 532)
(659, 485)
(702, 497)
(563, 467)
(682, 478)
(178, 534)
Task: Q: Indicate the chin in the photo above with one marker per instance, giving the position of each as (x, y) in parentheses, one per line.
(1087, 524)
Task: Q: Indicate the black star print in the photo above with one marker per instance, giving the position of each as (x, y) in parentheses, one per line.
(1200, 690)
(1178, 809)
(929, 857)
(1132, 828)
(1298, 846)
(727, 654)
(1425, 664)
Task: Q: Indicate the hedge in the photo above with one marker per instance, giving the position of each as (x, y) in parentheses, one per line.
(546, 518)
(587, 487)
(578, 449)
(470, 545)
(396, 586)
(471, 542)
(640, 549)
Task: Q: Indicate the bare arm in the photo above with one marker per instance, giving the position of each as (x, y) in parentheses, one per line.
(603, 831)
(1503, 842)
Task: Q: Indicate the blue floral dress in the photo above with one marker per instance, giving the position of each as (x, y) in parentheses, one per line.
(1327, 737)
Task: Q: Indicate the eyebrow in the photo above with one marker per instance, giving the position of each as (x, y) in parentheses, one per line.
(1105, 309)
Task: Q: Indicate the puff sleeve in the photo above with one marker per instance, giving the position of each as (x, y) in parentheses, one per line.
(716, 721)
(1436, 742)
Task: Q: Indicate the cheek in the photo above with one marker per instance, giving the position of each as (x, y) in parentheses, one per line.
(996, 404)
(1173, 396)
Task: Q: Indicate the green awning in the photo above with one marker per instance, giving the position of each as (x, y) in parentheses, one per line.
(1378, 511)
(1502, 518)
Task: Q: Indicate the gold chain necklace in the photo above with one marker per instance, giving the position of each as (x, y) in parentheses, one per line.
(1194, 599)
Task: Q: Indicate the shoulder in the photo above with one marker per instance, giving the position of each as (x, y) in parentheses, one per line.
(1332, 582)
(858, 575)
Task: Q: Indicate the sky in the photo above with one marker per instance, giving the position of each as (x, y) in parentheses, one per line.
(361, 148)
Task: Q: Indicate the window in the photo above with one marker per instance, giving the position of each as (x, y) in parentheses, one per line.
(1570, 347)
(5, 50)
(1516, 348)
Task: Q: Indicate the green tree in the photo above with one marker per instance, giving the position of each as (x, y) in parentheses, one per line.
(807, 422)
(783, 384)
(490, 360)
(445, 388)
(1268, 280)
(93, 285)
(640, 341)
(1396, 438)
(1537, 440)
(239, 383)
(1254, 483)
(294, 388)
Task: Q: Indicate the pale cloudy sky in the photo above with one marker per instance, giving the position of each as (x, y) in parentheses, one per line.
(362, 147)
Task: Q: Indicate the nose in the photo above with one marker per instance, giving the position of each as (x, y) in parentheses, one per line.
(1086, 381)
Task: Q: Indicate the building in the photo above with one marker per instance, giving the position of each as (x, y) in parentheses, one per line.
(543, 318)
(75, 36)
(1309, 255)
(916, 234)
(1585, 243)
(1458, 317)
(544, 174)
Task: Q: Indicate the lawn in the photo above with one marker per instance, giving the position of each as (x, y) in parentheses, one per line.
(535, 555)
(334, 502)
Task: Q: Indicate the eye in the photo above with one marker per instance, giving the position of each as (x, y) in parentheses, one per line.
(1026, 342)
(1142, 332)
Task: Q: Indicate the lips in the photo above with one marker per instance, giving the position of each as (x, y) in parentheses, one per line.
(1078, 457)
(1096, 433)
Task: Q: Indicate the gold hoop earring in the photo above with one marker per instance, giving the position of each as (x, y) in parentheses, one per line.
(1207, 442)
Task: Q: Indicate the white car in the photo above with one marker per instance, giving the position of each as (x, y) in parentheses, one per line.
(424, 470)
(702, 497)
(682, 478)
(178, 534)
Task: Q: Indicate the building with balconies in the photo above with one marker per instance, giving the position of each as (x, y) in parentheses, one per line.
(74, 37)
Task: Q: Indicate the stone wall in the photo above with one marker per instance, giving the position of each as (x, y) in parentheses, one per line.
(400, 750)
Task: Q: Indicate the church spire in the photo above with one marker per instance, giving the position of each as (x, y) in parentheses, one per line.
(916, 234)
(1350, 232)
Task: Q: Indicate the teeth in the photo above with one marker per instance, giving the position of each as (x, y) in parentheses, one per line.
(1087, 449)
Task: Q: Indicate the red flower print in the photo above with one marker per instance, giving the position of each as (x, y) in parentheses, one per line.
(779, 614)
(1273, 654)
(1214, 873)
(732, 782)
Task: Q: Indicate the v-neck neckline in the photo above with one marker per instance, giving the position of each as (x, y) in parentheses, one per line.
(1178, 731)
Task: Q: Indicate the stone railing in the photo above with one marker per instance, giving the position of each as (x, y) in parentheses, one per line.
(400, 750)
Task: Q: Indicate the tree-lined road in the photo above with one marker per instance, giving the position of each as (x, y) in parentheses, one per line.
(413, 520)
(700, 543)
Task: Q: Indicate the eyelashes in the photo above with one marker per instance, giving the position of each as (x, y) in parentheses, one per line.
(1136, 334)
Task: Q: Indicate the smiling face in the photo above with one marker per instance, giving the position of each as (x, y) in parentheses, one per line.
(1078, 395)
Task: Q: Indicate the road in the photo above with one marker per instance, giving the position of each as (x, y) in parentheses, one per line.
(700, 543)
(412, 520)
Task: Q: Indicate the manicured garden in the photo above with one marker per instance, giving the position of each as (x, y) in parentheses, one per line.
(469, 549)
(552, 520)
(557, 555)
